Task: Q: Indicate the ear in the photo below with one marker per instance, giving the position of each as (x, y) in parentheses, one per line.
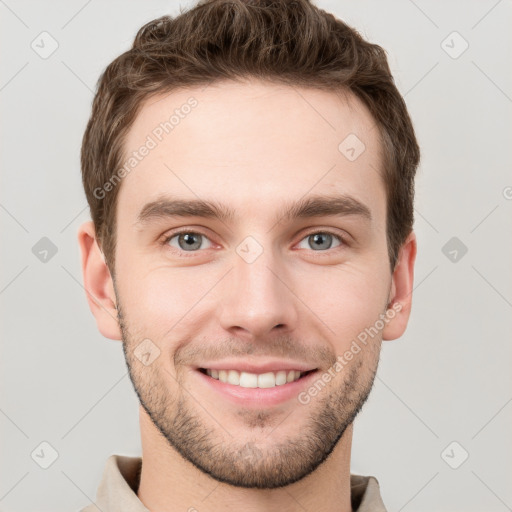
(98, 283)
(400, 297)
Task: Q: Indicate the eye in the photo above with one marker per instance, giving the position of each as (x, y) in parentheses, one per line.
(188, 241)
(322, 240)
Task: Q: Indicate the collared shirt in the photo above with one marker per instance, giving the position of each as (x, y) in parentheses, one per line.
(117, 491)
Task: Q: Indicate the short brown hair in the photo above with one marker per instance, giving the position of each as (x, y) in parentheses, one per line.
(288, 42)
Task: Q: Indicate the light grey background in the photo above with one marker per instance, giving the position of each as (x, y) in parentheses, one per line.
(447, 379)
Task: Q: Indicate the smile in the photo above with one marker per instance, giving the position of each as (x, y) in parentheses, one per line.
(254, 380)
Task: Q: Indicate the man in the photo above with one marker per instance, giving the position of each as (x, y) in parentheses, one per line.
(249, 167)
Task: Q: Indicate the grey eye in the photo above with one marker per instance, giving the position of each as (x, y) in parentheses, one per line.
(188, 241)
(321, 241)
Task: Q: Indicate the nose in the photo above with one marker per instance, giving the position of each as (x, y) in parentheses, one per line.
(257, 298)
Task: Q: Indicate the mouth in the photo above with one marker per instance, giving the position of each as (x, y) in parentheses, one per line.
(251, 390)
(255, 380)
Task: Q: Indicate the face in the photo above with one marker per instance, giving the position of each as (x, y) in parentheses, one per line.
(273, 279)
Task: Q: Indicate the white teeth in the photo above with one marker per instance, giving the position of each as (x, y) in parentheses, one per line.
(253, 380)
(280, 378)
(266, 380)
(233, 377)
(291, 376)
(248, 380)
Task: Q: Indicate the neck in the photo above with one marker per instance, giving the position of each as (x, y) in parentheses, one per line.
(170, 483)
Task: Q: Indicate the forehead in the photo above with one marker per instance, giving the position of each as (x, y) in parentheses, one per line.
(251, 145)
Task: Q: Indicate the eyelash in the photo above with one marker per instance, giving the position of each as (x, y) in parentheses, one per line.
(340, 238)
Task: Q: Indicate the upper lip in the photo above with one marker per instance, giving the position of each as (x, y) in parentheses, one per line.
(254, 367)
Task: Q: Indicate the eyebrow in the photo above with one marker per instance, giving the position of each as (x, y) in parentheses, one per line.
(312, 206)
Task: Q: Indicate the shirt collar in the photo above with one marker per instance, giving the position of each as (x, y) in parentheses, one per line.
(117, 491)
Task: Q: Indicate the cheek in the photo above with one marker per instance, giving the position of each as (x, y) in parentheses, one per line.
(162, 303)
(351, 303)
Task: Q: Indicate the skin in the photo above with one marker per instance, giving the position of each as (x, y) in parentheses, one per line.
(252, 146)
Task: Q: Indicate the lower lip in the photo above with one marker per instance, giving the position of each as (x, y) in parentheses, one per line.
(261, 397)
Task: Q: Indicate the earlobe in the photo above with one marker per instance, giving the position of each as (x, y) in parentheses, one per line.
(400, 301)
(98, 283)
